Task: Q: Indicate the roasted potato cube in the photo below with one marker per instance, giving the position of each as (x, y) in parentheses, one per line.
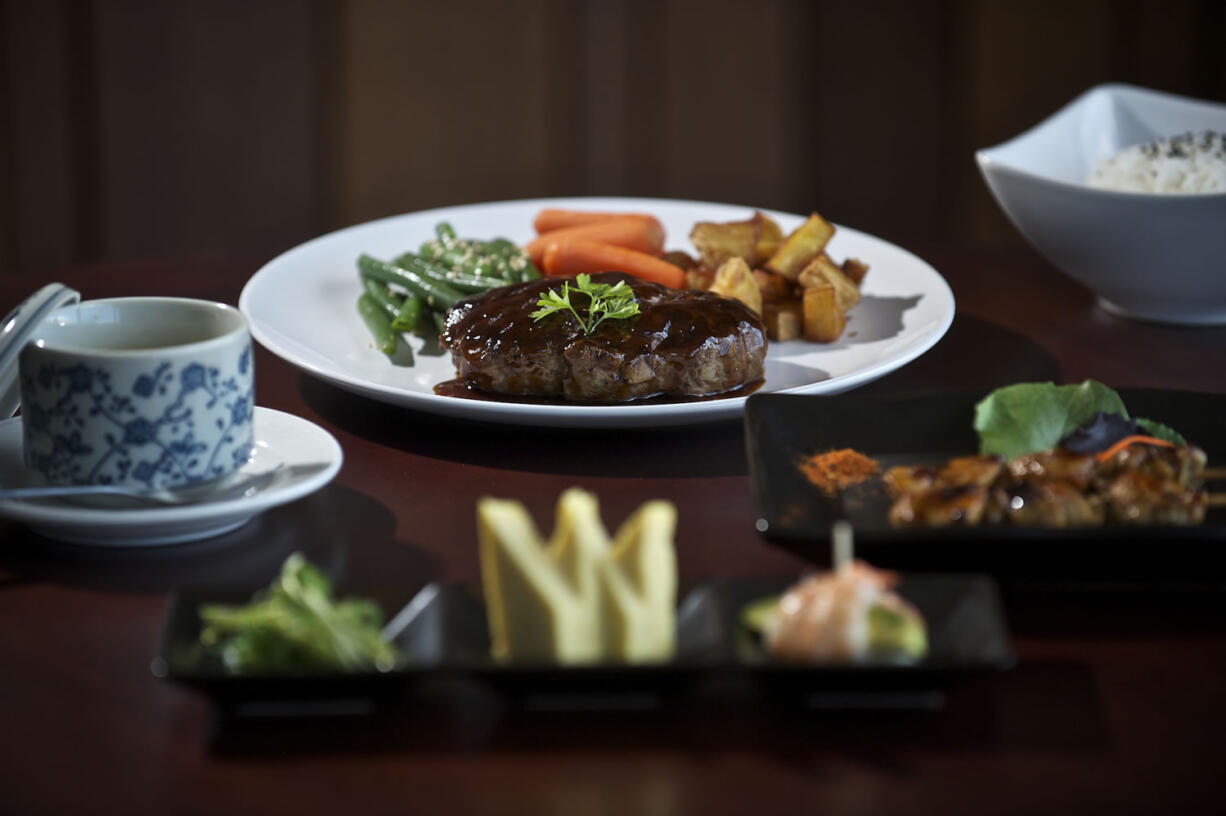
(717, 243)
(804, 244)
(770, 236)
(773, 287)
(700, 277)
(821, 270)
(734, 280)
(855, 269)
(823, 317)
(783, 319)
(676, 257)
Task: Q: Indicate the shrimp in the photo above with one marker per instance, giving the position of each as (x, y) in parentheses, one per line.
(825, 616)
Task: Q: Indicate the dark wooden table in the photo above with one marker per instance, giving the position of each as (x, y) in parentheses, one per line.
(1115, 702)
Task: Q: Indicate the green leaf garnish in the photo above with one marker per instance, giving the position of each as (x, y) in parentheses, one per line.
(1029, 417)
(606, 301)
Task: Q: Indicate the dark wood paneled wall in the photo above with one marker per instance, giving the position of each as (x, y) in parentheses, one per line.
(185, 127)
(139, 129)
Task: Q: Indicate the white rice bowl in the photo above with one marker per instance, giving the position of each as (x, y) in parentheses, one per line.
(1190, 163)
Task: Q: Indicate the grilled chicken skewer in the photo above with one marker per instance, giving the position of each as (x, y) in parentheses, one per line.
(1138, 484)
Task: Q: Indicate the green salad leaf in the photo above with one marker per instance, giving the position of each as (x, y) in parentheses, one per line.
(295, 625)
(1030, 417)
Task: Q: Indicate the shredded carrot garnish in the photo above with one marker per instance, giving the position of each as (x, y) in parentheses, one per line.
(834, 470)
(1128, 441)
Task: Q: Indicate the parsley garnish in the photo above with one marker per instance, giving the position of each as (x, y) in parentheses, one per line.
(606, 301)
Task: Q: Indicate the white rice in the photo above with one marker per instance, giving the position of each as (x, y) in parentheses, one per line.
(1188, 163)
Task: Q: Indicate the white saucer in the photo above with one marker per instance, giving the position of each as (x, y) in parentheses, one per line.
(280, 438)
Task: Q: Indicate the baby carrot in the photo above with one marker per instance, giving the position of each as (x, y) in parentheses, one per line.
(639, 232)
(554, 219)
(573, 256)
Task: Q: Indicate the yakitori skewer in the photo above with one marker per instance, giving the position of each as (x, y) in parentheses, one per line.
(1058, 488)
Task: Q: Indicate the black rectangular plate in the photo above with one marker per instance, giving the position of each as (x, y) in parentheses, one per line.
(911, 429)
(442, 633)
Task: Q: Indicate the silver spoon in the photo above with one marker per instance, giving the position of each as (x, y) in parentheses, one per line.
(230, 488)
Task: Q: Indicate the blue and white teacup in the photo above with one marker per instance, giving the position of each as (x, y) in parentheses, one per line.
(145, 392)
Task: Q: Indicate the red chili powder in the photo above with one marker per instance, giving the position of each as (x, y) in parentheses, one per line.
(834, 470)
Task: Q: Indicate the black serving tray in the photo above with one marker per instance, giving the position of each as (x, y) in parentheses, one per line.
(931, 427)
(442, 635)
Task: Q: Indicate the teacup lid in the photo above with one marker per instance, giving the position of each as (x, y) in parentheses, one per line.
(16, 330)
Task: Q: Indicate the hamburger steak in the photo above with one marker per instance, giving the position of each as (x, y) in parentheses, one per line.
(682, 343)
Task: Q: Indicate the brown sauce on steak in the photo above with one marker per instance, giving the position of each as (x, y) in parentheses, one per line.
(683, 343)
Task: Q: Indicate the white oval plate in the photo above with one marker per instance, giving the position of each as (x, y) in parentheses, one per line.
(280, 438)
(301, 306)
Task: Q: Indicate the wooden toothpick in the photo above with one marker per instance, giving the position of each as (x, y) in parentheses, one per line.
(841, 543)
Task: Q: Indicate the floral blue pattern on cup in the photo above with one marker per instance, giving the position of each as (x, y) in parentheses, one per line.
(169, 424)
(142, 392)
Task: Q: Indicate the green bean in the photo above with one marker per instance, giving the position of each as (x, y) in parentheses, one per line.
(467, 260)
(428, 331)
(455, 278)
(442, 272)
(432, 251)
(495, 263)
(500, 245)
(513, 264)
(521, 268)
(448, 259)
(377, 322)
(425, 326)
(499, 258)
(383, 295)
(510, 261)
(451, 256)
(403, 312)
(436, 295)
(409, 315)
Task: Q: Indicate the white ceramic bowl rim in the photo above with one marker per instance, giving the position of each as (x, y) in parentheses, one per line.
(231, 322)
(987, 156)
